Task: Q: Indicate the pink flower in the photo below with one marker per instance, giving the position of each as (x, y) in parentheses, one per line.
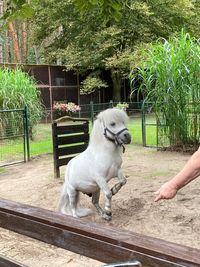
(70, 106)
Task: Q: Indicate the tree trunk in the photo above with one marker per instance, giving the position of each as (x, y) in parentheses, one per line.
(24, 42)
(1, 44)
(117, 82)
(7, 48)
(13, 34)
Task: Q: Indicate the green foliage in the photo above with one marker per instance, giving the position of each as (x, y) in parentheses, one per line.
(171, 81)
(122, 106)
(108, 9)
(89, 41)
(16, 9)
(92, 83)
(18, 89)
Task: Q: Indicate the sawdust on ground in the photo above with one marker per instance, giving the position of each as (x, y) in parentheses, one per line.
(133, 207)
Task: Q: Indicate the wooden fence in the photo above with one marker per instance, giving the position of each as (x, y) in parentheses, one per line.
(70, 137)
(100, 242)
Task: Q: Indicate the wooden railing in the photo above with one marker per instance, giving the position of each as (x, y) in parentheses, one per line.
(97, 241)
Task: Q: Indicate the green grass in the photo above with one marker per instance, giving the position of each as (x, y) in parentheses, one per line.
(135, 127)
(12, 150)
(42, 141)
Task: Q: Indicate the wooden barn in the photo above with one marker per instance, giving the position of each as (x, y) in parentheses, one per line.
(57, 84)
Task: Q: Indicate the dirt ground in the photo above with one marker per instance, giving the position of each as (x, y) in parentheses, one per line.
(176, 220)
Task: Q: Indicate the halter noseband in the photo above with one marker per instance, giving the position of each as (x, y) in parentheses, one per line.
(115, 136)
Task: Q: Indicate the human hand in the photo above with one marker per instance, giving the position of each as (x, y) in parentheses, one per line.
(167, 191)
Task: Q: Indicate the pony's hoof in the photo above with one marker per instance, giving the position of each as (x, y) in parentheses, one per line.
(109, 213)
(107, 217)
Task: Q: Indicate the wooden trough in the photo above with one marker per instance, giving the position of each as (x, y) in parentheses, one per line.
(96, 241)
(70, 137)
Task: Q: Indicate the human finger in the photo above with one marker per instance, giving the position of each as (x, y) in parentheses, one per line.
(158, 196)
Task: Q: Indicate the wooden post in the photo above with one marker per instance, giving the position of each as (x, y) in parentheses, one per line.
(55, 147)
(50, 92)
(61, 136)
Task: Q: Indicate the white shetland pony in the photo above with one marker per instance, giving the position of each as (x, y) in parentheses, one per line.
(91, 170)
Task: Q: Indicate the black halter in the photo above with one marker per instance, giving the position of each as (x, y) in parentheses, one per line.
(115, 136)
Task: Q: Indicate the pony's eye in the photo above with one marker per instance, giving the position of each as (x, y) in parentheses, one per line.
(112, 124)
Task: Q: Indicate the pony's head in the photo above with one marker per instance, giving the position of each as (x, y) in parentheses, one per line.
(112, 125)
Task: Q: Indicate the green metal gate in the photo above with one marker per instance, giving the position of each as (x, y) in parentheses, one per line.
(14, 136)
(149, 125)
(153, 128)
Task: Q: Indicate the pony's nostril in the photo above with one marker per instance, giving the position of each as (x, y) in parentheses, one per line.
(127, 136)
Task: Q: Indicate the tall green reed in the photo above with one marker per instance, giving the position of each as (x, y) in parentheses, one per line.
(17, 90)
(171, 80)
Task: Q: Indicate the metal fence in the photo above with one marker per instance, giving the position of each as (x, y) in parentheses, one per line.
(156, 131)
(92, 109)
(146, 127)
(14, 140)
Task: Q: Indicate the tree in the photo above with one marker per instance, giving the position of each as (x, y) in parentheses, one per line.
(89, 41)
(14, 18)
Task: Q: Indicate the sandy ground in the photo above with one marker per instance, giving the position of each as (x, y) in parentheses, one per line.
(176, 220)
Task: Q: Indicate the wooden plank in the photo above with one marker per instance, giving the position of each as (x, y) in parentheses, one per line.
(100, 242)
(6, 262)
(68, 118)
(70, 129)
(69, 150)
(71, 139)
(70, 134)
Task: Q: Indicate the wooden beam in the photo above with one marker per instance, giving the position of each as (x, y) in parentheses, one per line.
(6, 262)
(97, 241)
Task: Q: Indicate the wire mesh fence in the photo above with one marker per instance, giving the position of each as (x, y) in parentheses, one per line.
(146, 126)
(183, 134)
(14, 145)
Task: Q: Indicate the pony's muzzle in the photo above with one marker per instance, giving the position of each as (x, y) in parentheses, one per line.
(125, 137)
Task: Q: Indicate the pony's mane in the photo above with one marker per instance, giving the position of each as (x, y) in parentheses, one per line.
(103, 119)
(97, 132)
(113, 114)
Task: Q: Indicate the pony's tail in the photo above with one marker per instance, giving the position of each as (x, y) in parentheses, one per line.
(64, 205)
(64, 202)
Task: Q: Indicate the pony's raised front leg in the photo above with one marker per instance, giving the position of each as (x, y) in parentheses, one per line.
(95, 202)
(118, 186)
(107, 215)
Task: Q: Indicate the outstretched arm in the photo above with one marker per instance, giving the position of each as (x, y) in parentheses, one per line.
(190, 171)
